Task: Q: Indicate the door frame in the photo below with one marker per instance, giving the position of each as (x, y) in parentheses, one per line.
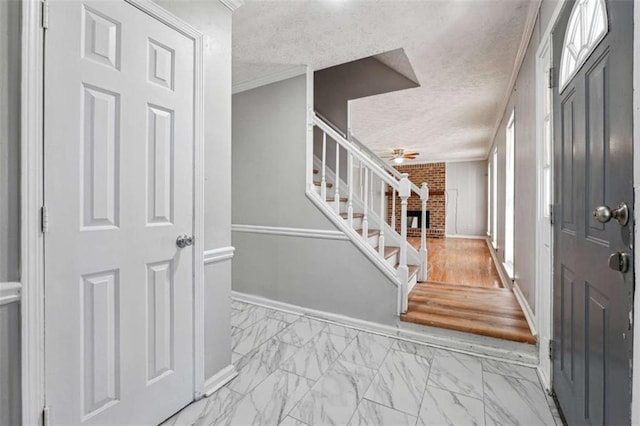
(32, 197)
(548, 39)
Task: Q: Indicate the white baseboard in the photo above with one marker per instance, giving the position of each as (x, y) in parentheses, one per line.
(466, 237)
(504, 277)
(219, 379)
(480, 346)
(526, 309)
(10, 292)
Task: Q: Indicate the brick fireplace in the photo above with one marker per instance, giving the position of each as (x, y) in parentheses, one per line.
(434, 174)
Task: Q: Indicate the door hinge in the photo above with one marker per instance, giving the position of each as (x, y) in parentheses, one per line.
(551, 213)
(551, 349)
(45, 416)
(45, 14)
(552, 81)
(44, 219)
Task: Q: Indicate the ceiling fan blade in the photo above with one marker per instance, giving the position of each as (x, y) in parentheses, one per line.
(410, 157)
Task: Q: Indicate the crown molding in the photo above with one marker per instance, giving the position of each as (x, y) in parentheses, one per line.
(232, 5)
(527, 33)
(274, 77)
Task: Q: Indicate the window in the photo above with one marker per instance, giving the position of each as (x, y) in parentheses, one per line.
(588, 24)
(494, 198)
(509, 196)
(547, 154)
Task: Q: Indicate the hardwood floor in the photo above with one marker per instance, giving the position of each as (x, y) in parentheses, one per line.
(460, 261)
(464, 293)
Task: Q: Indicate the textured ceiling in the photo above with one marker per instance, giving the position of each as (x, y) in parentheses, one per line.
(462, 53)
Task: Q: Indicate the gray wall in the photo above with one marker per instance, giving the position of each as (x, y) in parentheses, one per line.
(9, 141)
(10, 402)
(467, 198)
(523, 102)
(214, 20)
(268, 187)
(10, 364)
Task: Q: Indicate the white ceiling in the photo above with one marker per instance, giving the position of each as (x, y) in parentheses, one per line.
(462, 52)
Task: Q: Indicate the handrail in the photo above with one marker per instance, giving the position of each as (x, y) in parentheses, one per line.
(339, 139)
(414, 188)
(330, 124)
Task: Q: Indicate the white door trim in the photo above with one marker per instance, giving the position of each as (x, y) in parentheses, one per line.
(32, 241)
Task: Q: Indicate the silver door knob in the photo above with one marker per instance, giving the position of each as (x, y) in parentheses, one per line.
(604, 214)
(184, 240)
(620, 261)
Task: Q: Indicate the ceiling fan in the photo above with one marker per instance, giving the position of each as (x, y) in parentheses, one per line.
(398, 156)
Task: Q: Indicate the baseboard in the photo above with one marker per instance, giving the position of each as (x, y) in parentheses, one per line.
(466, 237)
(10, 292)
(480, 346)
(526, 309)
(219, 379)
(504, 277)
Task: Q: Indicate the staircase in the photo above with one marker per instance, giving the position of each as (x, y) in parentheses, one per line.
(355, 199)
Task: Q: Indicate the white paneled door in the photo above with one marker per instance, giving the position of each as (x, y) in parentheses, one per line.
(119, 137)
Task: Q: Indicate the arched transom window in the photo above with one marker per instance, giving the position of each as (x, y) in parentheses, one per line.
(588, 24)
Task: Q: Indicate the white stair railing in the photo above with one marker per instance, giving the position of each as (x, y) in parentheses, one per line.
(369, 169)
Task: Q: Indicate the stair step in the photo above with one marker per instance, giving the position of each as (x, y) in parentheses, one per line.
(329, 184)
(315, 171)
(342, 199)
(413, 270)
(355, 216)
(390, 251)
(371, 232)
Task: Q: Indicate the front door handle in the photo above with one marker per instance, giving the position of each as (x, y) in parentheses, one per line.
(604, 214)
(184, 240)
(620, 261)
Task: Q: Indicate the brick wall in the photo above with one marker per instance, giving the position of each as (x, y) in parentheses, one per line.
(434, 174)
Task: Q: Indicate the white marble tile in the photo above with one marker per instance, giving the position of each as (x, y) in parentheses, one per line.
(259, 364)
(341, 331)
(301, 331)
(400, 382)
(511, 370)
(256, 334)
(270, 402)
(441, 407)
(290, 421)
(206, 410)
(316, 356)
(413, 348)
(335, 397)
(235, 358)
(284, 316)
(248, 316)
(511, 401)
(369, 413)
(367, 350)
(457, 373)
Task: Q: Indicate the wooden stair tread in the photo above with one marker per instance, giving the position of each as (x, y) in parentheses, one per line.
(413, 270)
(390, 251)
(355, 216)
(329, 184)
(492, 312)
(371, 232)
(333, 199)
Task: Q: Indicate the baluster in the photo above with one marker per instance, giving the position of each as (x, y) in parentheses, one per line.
(361, 179)
(365, 223)
(323, 182)
(393, 210)
(404, 191)
(424, 197)
(336, 195)
(382, 220)
(371, 188)
(350, 185)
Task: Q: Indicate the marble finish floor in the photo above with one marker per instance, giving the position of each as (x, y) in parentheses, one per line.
(296, 370)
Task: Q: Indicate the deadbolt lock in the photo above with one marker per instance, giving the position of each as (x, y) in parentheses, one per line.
(620, 261)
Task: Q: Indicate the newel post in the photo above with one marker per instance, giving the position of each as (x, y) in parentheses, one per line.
(404, 191)
(424, 197)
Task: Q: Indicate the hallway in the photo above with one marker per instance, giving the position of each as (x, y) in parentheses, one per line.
(296, 370)
(464, 293)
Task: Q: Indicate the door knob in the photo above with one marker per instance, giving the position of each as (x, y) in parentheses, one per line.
(604, 214)
(620, 261)
(184, 240)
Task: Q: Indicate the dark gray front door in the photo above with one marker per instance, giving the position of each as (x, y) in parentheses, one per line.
(593, 163)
